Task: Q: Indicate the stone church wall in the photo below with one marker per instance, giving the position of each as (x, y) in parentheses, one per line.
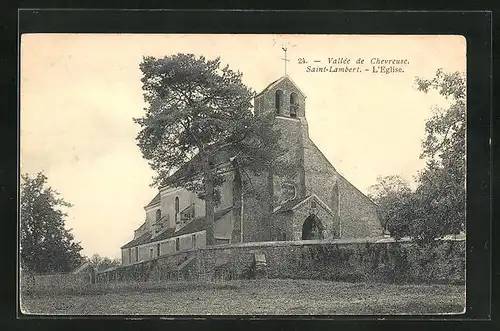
(293, 171)
(320, 176)
(256, 208)
(358, 214)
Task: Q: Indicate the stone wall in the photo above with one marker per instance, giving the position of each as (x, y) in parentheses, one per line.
(256, 208)
(339, 260)
(53, 283)
(343, 261)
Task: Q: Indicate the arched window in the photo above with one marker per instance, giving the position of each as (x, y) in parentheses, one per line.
(176, 208)
(294, 104)
(158, 214)
(278, 102)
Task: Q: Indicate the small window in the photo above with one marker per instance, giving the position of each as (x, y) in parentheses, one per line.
(130, 255)
(137, 254)
(193, 240)
(150, 253)
(313, 204)
(158, 214)
(157, 249)
(177, 244)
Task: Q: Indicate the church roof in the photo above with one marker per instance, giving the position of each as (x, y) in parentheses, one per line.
(196, 225)
(194, 166)
(155, 200)
(287, 206)
(143, 239)
(293, 204)
(277, 81)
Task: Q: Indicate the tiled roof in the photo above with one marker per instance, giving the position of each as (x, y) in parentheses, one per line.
(144, 238)
(194, 166)
(196, 225)
(155, 200)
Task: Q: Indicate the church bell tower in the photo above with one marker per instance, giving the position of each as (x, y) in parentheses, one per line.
(282, 97)
(286, 101)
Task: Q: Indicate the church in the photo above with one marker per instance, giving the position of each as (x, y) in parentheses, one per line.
(314, 203)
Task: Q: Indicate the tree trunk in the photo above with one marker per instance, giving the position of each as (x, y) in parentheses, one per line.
(209, 200)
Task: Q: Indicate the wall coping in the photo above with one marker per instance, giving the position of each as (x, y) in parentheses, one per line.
(375, 240)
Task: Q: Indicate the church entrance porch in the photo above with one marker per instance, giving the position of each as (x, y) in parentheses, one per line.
(312, 229)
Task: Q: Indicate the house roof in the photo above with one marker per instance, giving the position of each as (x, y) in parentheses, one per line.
(196, 225)
(270, 86)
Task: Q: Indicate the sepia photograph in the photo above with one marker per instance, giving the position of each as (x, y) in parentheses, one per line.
(242, 174)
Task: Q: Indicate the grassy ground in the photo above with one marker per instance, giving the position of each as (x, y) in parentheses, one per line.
(255, 297)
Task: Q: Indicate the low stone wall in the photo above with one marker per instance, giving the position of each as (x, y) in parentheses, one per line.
(164, 267)
(52, 282)
(339, 260)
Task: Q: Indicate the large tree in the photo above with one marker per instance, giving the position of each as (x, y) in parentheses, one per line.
(199, 114)
(46, 245)
(437, 206)
(442, 182)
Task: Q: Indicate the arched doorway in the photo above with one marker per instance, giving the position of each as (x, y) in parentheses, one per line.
(312, 229)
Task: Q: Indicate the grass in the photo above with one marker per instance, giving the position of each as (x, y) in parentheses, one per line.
(254, 297)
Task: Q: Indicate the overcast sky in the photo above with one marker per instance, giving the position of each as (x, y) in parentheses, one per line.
(79, 94)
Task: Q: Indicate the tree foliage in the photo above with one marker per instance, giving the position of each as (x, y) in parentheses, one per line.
(392, 195)
(103, 263)
(199, 114)
(437, 206)
(46, 245)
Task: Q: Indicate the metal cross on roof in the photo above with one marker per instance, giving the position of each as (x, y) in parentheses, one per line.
(285, 59)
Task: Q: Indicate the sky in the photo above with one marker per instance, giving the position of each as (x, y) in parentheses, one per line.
(80, 93)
